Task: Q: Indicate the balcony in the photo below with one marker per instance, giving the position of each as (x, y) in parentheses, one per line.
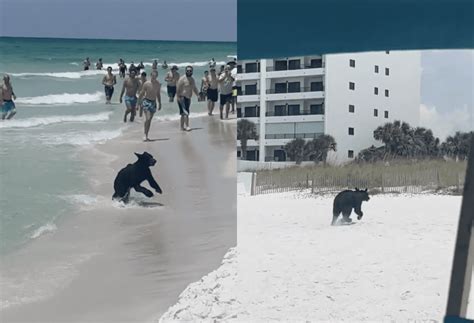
(295, 90)
(305, 135)
(285, 114)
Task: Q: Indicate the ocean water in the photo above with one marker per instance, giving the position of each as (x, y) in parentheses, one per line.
(60, 110)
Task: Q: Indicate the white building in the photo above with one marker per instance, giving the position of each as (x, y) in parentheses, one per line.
(344, 95)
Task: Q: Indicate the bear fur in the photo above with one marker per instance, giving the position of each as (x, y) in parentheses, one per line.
(132, 175)
(347, 200)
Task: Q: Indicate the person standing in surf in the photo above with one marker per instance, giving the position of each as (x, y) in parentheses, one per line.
(109, 81)
(87, 64)
(204, 87)
(122, 68)
(226, 81)
(6, 98)
(171, 79)
(184, 91)
(130, 85)
(151, 92)
(99, 64)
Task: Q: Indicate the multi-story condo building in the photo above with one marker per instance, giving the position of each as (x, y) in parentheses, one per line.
(344, 95)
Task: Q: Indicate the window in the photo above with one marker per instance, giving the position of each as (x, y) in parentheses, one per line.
(316, 63)
(239, 112)
(281, 65)
(316, 109)
(350, 153)
(239, 69)
(376, 113)
(376, 90)
(387, 71)
(386, 93)
(280, 110)
(239, 153)
(352, 86)
(352, 63)
(376, 69)
(293, 109)
(280, 87)
(251, 89)
(351, 131)
(351, 108)
(294, 64)
(386, 114)
(251, 68)
(251, 112)
(293, 87)
(317, 86)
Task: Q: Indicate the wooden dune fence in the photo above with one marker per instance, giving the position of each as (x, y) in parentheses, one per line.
(413, 182)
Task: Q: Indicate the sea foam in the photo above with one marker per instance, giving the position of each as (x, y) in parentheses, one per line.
(61, 99)
(35, 122)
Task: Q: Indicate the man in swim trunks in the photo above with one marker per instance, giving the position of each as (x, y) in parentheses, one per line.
(151, 92)
(130, 85)
(184, 91)
(171, 78)
(204, 87)
(122, 68)
(212, 82)
(109, 81)
(212, 63)
(86, 64)
(154, 66)
(140, 67)
(6, 96)
(226, 80)
(142, 82)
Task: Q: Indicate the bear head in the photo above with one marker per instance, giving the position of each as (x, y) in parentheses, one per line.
(364, 195)
(146, 159)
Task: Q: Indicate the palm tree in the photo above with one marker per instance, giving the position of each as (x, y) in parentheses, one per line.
(246, 130)
(318, 148)
(295, 150)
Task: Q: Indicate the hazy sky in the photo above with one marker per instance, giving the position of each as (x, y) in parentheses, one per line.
(447, 91)
(202, 20)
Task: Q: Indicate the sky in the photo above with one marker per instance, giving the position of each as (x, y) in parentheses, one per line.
(194, 20)
(447, 91)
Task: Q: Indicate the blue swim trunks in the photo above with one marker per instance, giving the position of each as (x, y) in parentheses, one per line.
(8, 106)
(149, 105)
(131, 101)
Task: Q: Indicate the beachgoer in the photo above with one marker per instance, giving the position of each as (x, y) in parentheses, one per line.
(154, 66)
(221, 70)
(130, 85)
(86, 64)
(184, 91)
(122, 68)
(132, 67)
(6, 98)
(109, 81)
(225, 80)
(142, 82)
(171, 79)
(235, 88)
(99, 64)
(140, 67)
(164, 65)
(212, 92)
(149, 95)
(204, 87)
(212, 63)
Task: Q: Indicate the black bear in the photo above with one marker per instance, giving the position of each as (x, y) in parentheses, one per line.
(347, 200)
(132, 175)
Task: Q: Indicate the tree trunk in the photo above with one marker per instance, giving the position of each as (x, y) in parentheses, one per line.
(243, 145)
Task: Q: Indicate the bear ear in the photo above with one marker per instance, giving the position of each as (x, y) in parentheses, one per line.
(357, 189)
(365, 189)
(138, 155)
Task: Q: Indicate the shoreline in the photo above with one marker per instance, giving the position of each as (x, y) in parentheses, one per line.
(134, 260)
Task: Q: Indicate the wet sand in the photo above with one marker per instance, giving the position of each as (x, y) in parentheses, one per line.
(109, 263)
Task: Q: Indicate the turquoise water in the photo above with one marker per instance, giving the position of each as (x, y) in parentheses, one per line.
(60, 109)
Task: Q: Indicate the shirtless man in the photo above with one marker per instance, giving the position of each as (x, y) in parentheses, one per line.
(184, 91)
(109, 81)
(86, 64)
(171, 79)
(99, 64)
(6, 95)
(226, 81)
(154, 66)
(142, 82)
(212, 82)
(122, 68)
(130, 84)
(151, 92)
(204, 87)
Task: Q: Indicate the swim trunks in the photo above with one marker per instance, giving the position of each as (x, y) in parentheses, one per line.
(184, 106)
(8, 106)
(212, 95)
(149, 105)
(226, 98)
(131, 101)
(171, 91)
(109, 91)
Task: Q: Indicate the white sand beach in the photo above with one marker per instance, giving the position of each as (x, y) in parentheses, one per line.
(290, 265)
(113, 263)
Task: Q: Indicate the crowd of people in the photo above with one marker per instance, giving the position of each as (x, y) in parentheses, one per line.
(144, 95)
